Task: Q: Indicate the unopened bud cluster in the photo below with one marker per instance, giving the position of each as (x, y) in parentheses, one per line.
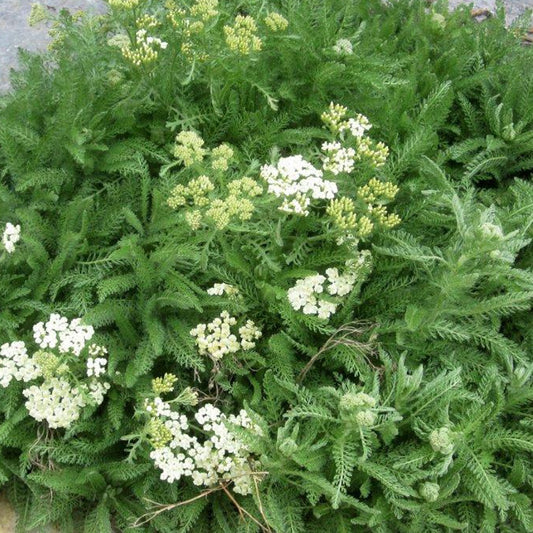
(441, 440)
(189, 148)
(218, 211)
(145, 50)
(358, 407)
(361, 217)
(276, 22)
(242, 36)
(343, 47)
(429, 491)
(124, 4)
(337, 121)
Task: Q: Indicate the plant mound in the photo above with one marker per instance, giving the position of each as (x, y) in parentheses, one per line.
(267, 266)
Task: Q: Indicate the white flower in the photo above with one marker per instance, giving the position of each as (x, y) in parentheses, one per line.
(306, 295)
(249, 334)
(16, 364)
(343, 47)
(219, 289)
(10, 237)
(357, 126)
(338, 159)
(216, 339)
(57, 331)
(326, 309)
(98, 390)
(222, 456)
(54, 401)
(339, 285)
(297, 181)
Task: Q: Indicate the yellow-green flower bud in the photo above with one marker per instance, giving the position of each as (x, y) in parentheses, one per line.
(245, 187)
(205, 9)
(441, 440)
(333, 117)
(241, 37)
(146, 21)
(178, 197)
(276, 22)
(198, 189)
(351, 401)
(366, 418)
(164, 384)
(189, 148)
(342, 211)
(160, 435)
(376, 189)
(218, 213)
(220, 157)
(124, 4)
(391, 220)
(38, 14)
(364, 227)
(48, 363)
(429, 491)
(187, 396)
(194, 219)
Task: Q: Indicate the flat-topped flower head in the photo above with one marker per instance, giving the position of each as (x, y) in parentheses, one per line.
(343, 47)
(219, 455)
(216, 338)
(10, 237)
(297, 182)
(58, 332)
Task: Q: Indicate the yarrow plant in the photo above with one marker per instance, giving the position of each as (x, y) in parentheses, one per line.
(59, 368)
(302, 234)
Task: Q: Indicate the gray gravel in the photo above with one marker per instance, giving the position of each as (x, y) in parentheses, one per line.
(15, 31)
(513, 8)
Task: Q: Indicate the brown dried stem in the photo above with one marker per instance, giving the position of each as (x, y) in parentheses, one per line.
(345, 336)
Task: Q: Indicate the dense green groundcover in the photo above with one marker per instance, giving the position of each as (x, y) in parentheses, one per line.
(298, 235)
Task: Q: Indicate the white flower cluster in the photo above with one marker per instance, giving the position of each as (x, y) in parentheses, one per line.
(96, 363)
(297, 181)
(10, 237)
(305, 295)
(338, 159)
(357, 126)
(343, 47)
(221, 457)
(56, 399)
(307, 292)
(16, 364)
(57, 332)
(219, 289)
(216, 339)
